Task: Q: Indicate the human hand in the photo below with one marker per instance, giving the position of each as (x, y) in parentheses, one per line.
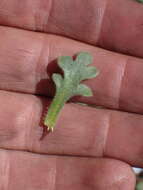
(26, 60)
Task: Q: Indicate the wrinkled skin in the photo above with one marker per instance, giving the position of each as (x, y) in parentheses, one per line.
(90, 148)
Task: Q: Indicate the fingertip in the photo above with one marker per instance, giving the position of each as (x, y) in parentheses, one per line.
(114, 175)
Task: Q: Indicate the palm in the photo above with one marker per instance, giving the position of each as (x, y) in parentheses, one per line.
(82, 131)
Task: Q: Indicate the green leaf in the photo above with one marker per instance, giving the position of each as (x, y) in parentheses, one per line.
(140, 1)
(69, 85)
(83, 90)
(139, 185)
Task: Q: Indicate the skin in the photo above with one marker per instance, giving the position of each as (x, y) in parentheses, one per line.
(90, 148)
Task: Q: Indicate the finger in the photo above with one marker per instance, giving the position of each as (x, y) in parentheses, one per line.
(96, 22)
(26, 62)
(80, 130)
(22, 170)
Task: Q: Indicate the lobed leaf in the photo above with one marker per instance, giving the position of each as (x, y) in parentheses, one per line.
(68, 86)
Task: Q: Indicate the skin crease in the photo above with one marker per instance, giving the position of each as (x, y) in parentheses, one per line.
(27, 59)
